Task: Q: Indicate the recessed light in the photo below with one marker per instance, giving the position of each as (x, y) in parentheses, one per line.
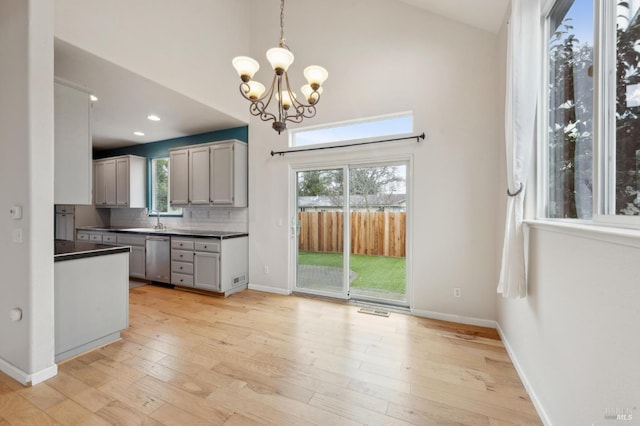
(153, 117)
(138, 133)
(93, 98)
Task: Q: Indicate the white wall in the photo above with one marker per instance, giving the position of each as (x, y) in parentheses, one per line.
(574, 339)
(385, 57)
(185, 45)
(26, 179)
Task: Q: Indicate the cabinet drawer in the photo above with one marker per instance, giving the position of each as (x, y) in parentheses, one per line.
(182, 256)
(182, 267)
(181, 244)
(131, 240)
(95, 238)
(181, 279)
(109, 239)
(82, 236)
(211, 246)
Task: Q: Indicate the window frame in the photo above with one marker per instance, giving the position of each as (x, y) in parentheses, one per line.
(150, 187)
(293, 132)
(604, 126)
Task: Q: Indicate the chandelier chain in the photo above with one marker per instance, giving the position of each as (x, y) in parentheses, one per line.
(282, 43)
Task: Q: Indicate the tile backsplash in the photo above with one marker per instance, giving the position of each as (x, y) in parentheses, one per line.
(210, 219)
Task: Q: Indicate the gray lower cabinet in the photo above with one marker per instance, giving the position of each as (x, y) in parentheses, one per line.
(210, 264)
(137, 255)
(206, 267)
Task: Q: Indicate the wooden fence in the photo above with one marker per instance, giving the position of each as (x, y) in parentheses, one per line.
(372, 233)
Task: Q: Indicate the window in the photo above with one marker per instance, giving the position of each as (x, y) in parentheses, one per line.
(570, 111)
(625, 138)
(160, 187)
(590, 165)
(390, 125)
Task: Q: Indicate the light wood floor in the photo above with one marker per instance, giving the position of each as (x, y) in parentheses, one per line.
(257, 358)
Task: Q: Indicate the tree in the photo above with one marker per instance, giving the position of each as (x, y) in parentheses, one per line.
(571, 122)
(367, 186)
(627, 112)
(311, 183)
(570, 125)
(162, 185)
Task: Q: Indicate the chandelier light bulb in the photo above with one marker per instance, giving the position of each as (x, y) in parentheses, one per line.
(285, 99)
(315, 75)
(254, 90)
(246, 67)
(309, 94)
(280, 59)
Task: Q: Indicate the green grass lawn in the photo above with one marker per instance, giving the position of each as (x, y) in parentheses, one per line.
(375, 272)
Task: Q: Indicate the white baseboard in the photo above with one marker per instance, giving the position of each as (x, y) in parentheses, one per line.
(523, 378)
(268, 289)
(454, 318)
(27, 379)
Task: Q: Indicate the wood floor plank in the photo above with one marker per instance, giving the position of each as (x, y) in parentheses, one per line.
(169, 415)
(43, 396)
(117, 413)
(259, 358)
(132, 395)
(18, 411)
(69, 412)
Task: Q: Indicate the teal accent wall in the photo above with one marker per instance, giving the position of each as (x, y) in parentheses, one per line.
(161, 148)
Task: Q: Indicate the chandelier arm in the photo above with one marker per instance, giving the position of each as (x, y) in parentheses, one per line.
(295, 101)
(302, 112)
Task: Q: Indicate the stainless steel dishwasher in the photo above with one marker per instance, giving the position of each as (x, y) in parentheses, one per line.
(159, 259)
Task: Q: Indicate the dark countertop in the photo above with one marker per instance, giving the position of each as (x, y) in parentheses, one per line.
(69, 250)
(196, 233)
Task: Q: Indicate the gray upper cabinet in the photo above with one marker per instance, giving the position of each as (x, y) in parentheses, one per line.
(72, 148)
(199, 176)
(179, 177)
(121, 182)
(212, 174)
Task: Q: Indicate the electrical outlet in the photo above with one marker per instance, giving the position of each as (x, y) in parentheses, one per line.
(265, 268)
(457, 292)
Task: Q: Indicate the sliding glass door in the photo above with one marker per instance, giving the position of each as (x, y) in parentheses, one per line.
(377, 214)
(320, 267)
(351, 232)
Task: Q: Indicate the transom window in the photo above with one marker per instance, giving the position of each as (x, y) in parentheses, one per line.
(369, 128)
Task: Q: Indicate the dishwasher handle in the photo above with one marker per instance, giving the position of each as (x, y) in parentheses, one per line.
(158, 238)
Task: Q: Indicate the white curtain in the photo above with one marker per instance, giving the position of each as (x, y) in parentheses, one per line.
(523, 76)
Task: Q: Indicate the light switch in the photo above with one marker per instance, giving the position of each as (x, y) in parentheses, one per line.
(16, 235)
(15, 212)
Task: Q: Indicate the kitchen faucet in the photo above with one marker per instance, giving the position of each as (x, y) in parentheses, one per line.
(158, 224)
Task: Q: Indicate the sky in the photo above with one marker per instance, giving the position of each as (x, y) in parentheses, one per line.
(581, 13)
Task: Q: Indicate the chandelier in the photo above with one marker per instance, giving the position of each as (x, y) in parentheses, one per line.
(289, 108)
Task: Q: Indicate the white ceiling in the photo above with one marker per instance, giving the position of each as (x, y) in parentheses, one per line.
(125, 99)
(484, 14)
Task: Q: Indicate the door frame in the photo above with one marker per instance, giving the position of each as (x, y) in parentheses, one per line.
(311, 164)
